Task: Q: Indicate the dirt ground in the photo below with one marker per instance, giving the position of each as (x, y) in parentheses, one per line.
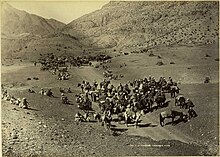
(48, 127)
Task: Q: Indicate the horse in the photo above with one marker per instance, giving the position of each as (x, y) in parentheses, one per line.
(94, 95)
(121, 117)
(105, 105)
(137, 118)
(173, 91)
(180, 101)
(192, 113)
(106, 119)
(97, 116)
(85, 105)
(160, 100)
(147, 104)
(172, 114)
(130, 116)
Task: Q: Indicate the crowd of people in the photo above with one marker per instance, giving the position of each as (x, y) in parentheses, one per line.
(57, 65)
(128, 101)
(22, 103)
(134, 97)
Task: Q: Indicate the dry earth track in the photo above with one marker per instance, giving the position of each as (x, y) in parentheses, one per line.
(59, 118)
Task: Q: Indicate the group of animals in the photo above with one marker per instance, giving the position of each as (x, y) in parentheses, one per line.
(128, 102)
(58, 64)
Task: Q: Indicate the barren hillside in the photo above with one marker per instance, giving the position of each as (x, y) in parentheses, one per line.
(147, 24)
(27, 35)
(131, 25)
(16, 22)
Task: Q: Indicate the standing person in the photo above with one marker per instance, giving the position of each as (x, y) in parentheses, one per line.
(82, 87)
(95, 84)
(42, 91)
(64, 99)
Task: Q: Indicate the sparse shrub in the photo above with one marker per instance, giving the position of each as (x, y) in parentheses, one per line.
(207, 55)
(160, 63)
(172, 63)
(28, 78)
(159, 57)
(217, 59)
(25, 47)
(207, 80)
(35, 78)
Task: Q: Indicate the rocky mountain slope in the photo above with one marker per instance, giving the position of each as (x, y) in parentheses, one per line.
(25, 35)
(17, 22)
(131, 25)
(147, 24)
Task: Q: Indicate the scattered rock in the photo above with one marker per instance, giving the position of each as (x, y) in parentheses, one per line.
(207, 80)
(35, 78)
(160, 63)
(207, 55)
(14, 135)
(12, 143)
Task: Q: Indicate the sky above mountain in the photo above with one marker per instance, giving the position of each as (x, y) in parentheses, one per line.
(64, 11)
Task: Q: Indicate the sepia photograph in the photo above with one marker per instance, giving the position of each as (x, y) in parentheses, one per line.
(109, 78)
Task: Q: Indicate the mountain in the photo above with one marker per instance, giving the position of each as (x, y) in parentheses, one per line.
(25, 35)
(16, 22)
(148, 24)
(118, 24)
